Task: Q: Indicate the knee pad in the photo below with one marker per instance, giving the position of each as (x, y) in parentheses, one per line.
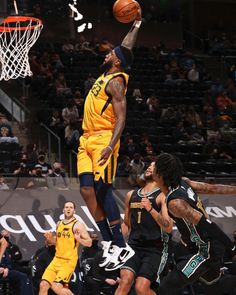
(86, 179)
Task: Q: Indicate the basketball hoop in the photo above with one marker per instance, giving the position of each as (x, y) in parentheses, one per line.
(17, 35)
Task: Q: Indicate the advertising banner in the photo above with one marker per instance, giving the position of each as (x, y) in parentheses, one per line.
(27, 214)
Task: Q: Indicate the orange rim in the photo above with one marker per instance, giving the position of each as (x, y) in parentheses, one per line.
(11, 21)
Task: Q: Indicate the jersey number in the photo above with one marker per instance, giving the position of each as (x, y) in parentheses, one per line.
(139, 216)
(96, 89)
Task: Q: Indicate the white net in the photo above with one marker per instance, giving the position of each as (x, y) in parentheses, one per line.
(15, 43)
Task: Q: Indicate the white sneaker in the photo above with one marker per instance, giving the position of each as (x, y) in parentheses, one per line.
(107, 252)
(119, 257)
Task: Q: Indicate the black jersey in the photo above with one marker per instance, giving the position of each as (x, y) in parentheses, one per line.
(194, 236)
(145, 232)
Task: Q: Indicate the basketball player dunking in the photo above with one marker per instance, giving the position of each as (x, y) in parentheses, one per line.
(103, 123)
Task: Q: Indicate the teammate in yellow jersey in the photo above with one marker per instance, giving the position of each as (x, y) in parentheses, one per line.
(70, 234)
(103, 123)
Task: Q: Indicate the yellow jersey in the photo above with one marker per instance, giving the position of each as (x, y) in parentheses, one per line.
(66, 244)
(98, 110)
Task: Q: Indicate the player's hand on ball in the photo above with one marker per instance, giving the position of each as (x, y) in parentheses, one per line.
(139, 15)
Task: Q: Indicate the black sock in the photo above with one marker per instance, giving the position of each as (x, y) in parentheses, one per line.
(105, 230)
(118, 238)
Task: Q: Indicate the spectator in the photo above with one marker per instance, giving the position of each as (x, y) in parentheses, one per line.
(5, 136)
(168, 116)
(56, 62)
(180, 134)
(70, 112)
(193, 74)
(39, 179)
(194, 136)
(58, 176)
(83, 46)
(88, 83)
(192, 119)
(138, 100)
(55, 119)
(14, 276)
(97, 278)
(145, 145)
(46, 167)
(105, 47)
(136, 170)
(3, 185)
(123, 166)
(79, 102)
(216, 87)
(61, 86)
(208, 114)
(32, 153)
(23, 163)
(149, 149)
(5, 123)
(72, 135)
(67, 46)
(211, 149)
(131, 148)
(23, 175)
(13, 250)
(56, 123)
(224, 103)
(38, 171)
(153, 105)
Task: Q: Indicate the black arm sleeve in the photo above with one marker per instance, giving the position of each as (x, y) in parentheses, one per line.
(215, 232)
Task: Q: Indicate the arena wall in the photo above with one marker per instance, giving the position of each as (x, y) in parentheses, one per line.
(27, 214)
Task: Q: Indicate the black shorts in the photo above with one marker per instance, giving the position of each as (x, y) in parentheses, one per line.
(145, 263)
(208, 272)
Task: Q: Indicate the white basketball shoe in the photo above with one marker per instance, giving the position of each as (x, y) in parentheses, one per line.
(107, 252)
(119, 257)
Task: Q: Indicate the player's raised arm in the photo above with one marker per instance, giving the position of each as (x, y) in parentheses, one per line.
(208, 188)
(81, 234)
(131, 37)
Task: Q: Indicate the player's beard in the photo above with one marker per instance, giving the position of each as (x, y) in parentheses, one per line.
(106, 66)
(148, 177)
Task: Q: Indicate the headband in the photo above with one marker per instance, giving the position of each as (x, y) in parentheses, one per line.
(120, 55)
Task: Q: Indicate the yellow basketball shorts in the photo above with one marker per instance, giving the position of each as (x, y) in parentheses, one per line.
(89, 152)
(59, 270)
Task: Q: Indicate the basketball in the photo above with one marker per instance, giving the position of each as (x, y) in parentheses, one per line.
(125, 11)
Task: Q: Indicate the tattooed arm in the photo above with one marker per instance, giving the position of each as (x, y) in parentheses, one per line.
(162, 218)
(181, 209)
(131, 37)
(116, 90)
(207, 188)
